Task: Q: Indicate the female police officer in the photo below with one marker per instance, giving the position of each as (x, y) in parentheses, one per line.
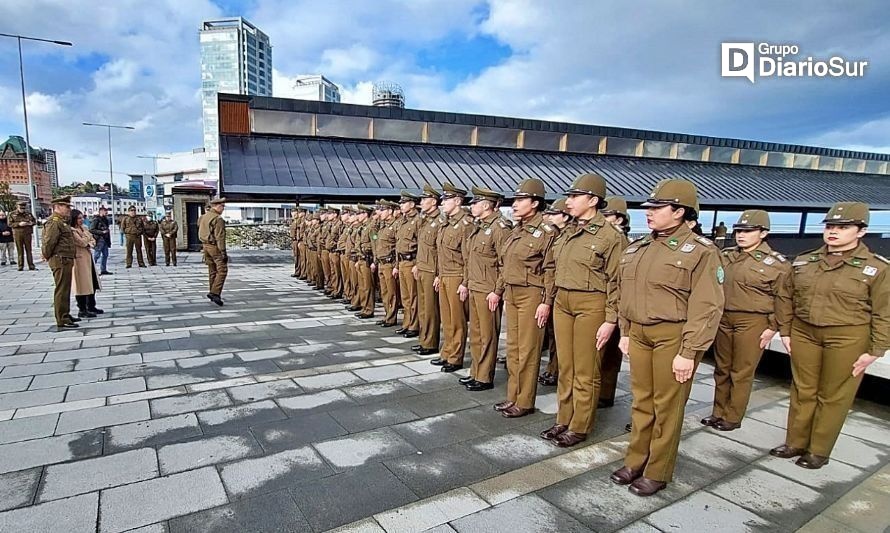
(755, 290)
(526, 282)
(840, 325)
(669, 308)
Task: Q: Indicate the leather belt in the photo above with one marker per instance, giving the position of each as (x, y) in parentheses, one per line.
(406, 257)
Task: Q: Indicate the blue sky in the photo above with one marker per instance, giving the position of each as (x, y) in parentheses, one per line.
(649, 64)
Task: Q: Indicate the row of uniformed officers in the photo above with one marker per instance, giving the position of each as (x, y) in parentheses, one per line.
(661, 300)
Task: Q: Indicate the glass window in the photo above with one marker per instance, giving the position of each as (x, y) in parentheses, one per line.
(620, 146)
(440, 133)
(879, 222)
(657, 149)
(337, 126)
(586, 144)
(690, 152)
(541, 140)
(396, 130)
(814, 222)
(721, 154)
(750, 157)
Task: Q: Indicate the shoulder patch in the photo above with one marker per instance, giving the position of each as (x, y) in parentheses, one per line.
(882, 258)
(704, 241)
(466, 222)
(502, 224)
(779, 256)
(547, 228)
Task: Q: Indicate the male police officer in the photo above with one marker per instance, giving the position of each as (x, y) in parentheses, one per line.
(133, 228)
(58, 250)
(22, 223)
(425, 273)
(212, 233)
(169, 231)
(406, 254)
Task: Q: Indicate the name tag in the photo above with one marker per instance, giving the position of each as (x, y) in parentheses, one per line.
(688, 247)
(537, 233)
(869, 271)
(769, 261)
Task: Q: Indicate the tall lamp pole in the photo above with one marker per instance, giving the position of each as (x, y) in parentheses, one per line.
(110, 165)
(19, 38)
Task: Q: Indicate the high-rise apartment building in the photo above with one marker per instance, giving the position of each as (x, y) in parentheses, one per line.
(51, 166)
(236, 57)
(315, 87)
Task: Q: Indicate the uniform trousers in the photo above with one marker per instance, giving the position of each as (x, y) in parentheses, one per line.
(408, 293)
(552, 349)
(346, 273)
(63, 270)
(610, 366)
(295, 249)
(365, 293)
(217, 268)
(453, 314)
(485, 332)
(336, 277)
(524, 339)
(388, 293)
(577, 315)
(428, 309)
(659, 400)
(325, 257)
(151, 251)
(134, 241)
(823, 387)
(301, 260)
(736, 355)
(170, 250)
(22, 241)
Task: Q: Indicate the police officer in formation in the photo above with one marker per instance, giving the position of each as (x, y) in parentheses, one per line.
(169, 231)
(133, 227)
(558, 217)
(659, 301)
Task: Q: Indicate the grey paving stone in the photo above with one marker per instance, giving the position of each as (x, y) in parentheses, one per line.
(263, 391)
(16, 400)
(239, 416)
(262, 354)
(361, 448)
(110, 415)
(438, 431)
(160, 527)
(207, 360)
(194, 375)
(384, 373)
(105, 388)
(18, 488)
(432, 382)
(775, 498)
(285, 434)
(437, 403)
(373, 416)
(110, 361)
(703, 511)
(441, 470)
(375, 392)
(368, 490)
(860, 425)
(315, 402)
(72, 515)
(31, 453)
(716, 451)
(757, 434)
(33, 427)
(835, 478)
(168, 355)
(70, 355)
(513, 450)
(25, 359)
(527, 513)
(860, 453)
(328, 381)
(152, 432)
(69, 479)
(273, 472)
(275, 512)
(15, 384)
(63, 379)
(155, 500)
(36, 369)
(190, 402)
(141, 370)
(206, 451)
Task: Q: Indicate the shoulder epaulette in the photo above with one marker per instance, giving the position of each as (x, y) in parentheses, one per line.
(778, 256)
(547, 228)
(704, 241)
(882, 258)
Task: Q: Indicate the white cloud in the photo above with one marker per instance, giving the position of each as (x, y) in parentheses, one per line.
(40, 104)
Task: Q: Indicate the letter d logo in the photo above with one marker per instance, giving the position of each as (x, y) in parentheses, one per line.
(737, 60)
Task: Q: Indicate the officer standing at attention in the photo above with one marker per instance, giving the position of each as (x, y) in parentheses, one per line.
(558, 218)
(212, 233)
(670, 302)
(385, 261)
(324, 254)
(343, 268)
(425, 271)
(364, 300)
(22, 223)
(586, 307)
(169, 231)
(616, 214)
(58, 250)
(840, 326)
(482, 272)
(150, 231)
(294, 231)
(132, 228)
(449, 282)
(336, 227)
(756, 290)
(406, 253)
(527, 278)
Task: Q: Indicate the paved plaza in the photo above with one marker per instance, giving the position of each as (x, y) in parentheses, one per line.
(282, 412)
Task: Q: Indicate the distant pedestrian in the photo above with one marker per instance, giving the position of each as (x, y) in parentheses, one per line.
(6, 241)
(100, 228)
(22, 223)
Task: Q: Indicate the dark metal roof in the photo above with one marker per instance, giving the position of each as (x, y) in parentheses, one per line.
(285, 167)
(333, 108)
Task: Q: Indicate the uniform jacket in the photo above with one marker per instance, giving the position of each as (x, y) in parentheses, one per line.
(527, 259)
(757, 282)
(132, 225)
(150, 228)
(484, 245)
(427, 236)
(450, 243)
(406, 236)
(212, 230)
(169, 227)
(385, 249)
(855, 292)
(58, 241)
(16, 218)
(673, 278)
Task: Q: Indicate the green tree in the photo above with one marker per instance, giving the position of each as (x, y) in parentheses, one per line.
(7, 200)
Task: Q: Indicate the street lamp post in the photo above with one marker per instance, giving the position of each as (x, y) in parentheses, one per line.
(18, 38)
(110, 164)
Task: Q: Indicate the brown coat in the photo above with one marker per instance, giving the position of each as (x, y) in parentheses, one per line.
(84, 281)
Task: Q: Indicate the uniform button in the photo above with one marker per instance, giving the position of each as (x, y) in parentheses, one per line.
(679, 262)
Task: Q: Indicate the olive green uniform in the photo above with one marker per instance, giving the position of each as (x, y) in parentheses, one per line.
(21, 235)
(586, 297)
(150, 236)
(406, 253)
(527, 278)
(58, 249)
(335, 282)
(169, 232)
(610, 366)
(841, 310)
(132, 228)
(385, 258)
(670, 304)
(755, 288)
(365, 254)
(427, 267)
(451, 263)
(212, 233)
(484, 245)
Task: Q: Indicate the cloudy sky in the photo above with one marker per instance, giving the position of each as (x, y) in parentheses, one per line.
(647, 64)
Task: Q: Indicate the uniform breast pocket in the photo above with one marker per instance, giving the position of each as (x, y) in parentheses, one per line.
(594, 260)
(627, 267)
(452, 241)
(676, 275)
(852, 287)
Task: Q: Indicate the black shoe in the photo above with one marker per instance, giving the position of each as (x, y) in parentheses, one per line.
(85, 314)
(129, 266)
(21, 269)
(32, 268)
(448, 367)
(401, 331)
(477, 386)
(364, 316)
(3, 263)
(72, 319)
(106, 273)
(466, 380)
(215, 299)
(67, 326)
(379, 323)
(385, 325)
(628, 428)
(411, 334)
(96, 311)
(427, 351)
(438, 361)
(354, 308)
(168, 264)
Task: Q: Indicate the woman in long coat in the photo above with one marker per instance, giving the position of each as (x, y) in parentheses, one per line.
(84, 282)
